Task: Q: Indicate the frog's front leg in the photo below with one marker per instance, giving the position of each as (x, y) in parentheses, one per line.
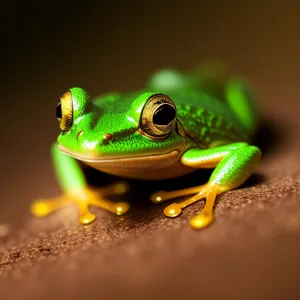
(76, 190)
(233, 164)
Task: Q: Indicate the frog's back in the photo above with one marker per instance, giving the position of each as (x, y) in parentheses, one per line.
(207, 120)
(211, 112)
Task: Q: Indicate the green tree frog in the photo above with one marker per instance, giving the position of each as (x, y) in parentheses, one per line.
(178, 123)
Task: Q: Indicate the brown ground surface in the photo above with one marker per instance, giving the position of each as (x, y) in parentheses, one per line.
(252, 249)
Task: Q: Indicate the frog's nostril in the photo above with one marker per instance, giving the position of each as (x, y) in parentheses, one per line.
(108, 137)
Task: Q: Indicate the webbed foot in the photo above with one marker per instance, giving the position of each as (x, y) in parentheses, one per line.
(83, 198)
(208, 191)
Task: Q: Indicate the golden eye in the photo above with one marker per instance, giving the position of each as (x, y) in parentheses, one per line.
(64, 112)
(158, 117)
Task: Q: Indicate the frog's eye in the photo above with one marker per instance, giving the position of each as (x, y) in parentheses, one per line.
(158, 117)
(64, 112)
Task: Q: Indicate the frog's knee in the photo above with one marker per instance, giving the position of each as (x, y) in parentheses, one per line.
(166, 80)
(247, 157)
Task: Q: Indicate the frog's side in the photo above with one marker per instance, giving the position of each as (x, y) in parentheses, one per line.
(171, 128)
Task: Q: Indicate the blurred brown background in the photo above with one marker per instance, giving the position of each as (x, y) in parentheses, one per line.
(252, 250)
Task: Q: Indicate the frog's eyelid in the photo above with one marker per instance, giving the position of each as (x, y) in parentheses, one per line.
(180, 129)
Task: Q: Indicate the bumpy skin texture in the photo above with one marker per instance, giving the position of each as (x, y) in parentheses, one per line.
(207, 120)
(207, 124)
(116, 114)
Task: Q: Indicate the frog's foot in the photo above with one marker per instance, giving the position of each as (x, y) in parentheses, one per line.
(83, 198)
(233, 164)
(208, 191)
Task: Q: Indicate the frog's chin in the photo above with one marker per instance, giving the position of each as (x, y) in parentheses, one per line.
(149, 166)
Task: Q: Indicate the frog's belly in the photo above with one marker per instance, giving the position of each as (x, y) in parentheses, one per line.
(155, 167)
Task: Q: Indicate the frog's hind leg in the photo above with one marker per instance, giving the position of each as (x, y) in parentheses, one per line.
(234, 163)
(77, 191)
(215, 79)
(240, 98)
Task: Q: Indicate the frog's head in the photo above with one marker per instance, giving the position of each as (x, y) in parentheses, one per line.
(143, 134)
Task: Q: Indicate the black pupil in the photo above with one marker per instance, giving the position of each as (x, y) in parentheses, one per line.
(58, 111)
(164, 115)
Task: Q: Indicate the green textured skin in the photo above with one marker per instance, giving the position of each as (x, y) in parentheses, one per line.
(235, 165)
(234, 169)
(196, 156)
(211, 125)
(118, 115)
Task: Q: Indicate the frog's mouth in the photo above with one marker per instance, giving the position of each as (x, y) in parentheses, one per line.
(135, 162)
(148, 166)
